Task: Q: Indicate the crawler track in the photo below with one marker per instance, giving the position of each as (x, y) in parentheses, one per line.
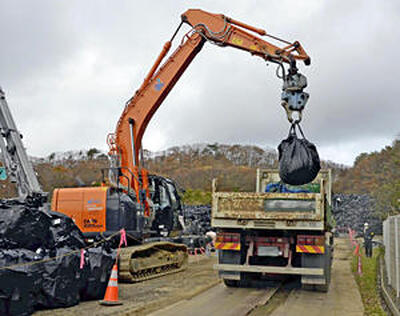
(144, 262)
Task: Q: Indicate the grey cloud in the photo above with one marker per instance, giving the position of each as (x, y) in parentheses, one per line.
(69, 66)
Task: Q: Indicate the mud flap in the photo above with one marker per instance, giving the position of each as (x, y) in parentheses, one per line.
(229, 257)
(317, 261)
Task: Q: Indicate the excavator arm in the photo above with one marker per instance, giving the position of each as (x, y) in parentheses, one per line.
(218, 29)
(225, 31)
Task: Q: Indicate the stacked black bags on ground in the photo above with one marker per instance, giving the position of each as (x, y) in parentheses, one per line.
(29, 240)
(197, 224)
(353, 210)
(17, 285)
(298, 159)
(197, 219)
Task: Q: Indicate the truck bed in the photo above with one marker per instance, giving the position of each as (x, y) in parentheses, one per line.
(268, 210)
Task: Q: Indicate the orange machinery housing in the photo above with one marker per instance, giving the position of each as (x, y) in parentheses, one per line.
(86, 206)
(95, 209)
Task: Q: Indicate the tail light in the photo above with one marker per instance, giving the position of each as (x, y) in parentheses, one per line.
(228, 241)
(228, 237)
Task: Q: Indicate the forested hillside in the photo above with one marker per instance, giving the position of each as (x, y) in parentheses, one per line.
(378, 174)
(194, 166)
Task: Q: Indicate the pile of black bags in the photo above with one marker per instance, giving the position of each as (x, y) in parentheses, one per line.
(197, 224)
(29, 240)
(298, 159)
(197, 219)
(353, 210)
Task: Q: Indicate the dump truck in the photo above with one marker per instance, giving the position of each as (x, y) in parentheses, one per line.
(277, 230)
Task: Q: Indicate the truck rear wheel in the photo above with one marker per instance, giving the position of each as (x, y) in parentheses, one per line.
(321, 288)
(316, 287)
(231, 283)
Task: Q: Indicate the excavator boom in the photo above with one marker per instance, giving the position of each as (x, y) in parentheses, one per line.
(125, 144)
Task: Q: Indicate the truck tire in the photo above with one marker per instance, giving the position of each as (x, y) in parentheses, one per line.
(231, 283)
(316, 287)
(322, 288)
(307, 287)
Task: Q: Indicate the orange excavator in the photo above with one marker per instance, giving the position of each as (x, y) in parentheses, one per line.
(148, 206)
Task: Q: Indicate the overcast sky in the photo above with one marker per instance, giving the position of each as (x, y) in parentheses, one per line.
(68, 67)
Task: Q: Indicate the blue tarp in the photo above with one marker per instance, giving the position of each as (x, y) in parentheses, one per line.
(281, 188)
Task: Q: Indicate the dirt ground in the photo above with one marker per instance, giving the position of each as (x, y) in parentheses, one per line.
(219, 300)
(198, 291)
(343, 297)
(146, 297)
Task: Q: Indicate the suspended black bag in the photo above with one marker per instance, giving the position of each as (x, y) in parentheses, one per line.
(298, 159)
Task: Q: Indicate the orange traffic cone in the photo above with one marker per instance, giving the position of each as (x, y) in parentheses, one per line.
(111, 296)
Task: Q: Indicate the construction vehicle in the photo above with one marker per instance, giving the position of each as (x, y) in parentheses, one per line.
(129, 199)
(263, 234)
(165, 197)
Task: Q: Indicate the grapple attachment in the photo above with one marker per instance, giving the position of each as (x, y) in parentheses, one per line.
(293, 98)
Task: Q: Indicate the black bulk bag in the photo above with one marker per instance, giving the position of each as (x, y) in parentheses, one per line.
(298, 159)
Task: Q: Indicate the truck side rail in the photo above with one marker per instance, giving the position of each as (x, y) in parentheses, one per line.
(274, 206)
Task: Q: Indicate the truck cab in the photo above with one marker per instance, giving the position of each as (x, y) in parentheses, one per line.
(279, 229)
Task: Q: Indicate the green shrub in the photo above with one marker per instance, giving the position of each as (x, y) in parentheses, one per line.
(196, 197)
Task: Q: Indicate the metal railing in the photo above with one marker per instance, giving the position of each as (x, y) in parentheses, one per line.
(391, 240)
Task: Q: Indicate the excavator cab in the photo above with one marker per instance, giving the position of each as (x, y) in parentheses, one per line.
(167, 206)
